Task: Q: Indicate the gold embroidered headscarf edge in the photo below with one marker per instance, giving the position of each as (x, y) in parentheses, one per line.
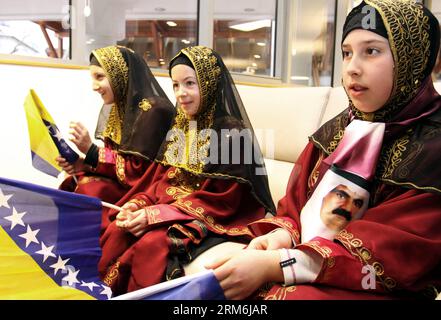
(116, 69)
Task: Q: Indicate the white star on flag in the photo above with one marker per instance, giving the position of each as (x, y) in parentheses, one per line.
(16, 218)
(30, 236)
(4, 199)
(107, 291)
(46, 252)
(59, 265)
(90, 285)
(58, 135)
(71, 278)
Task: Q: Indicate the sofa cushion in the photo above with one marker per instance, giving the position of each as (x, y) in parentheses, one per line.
(283, 118)
(337, 102)
(278, 176)
(437, 86)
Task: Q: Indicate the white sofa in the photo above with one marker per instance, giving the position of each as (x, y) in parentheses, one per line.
(283, 116)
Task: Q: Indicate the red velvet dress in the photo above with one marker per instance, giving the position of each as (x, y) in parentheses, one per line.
(399, 236)
(115, 175)
(178, 219)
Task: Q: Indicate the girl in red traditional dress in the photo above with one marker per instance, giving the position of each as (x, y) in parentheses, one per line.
(133, 123)
(215, 183)
(379, 162)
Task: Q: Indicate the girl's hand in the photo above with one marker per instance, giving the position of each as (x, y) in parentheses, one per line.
(80, 136)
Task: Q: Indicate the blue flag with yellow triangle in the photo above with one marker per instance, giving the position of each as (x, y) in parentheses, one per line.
(45, 138)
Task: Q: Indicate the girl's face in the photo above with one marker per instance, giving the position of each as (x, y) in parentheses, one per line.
(186, 89)
(101, 84)
(368, 70)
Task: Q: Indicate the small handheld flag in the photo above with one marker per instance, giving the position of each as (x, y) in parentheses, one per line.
(45, 138)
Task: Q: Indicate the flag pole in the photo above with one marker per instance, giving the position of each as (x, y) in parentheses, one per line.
(111, 206)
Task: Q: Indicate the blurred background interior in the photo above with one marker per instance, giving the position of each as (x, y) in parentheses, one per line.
(281, 42)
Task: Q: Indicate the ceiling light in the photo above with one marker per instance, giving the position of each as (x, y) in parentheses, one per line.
(257, 56)
(87, 11)
(261, 44)
(253, 25)
(300, 78)
(185, 41)
(171, 24)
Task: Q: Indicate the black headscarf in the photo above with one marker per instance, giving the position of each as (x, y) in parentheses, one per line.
(230, 149)
(414, 38)
(361, 18)
(412, 115)
(138, 121)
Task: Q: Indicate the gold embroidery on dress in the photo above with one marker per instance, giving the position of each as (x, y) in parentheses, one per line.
(324, 251)
(283, 224)
(88, 179)
(186, 232)
(199, 213)
(120, 168)
(102, 155)
(152, 215)
(356, 248)
(338, 126)
(177, 193)
(392, 157)
(313, 177)
(187, 204)
(145, 105)
(138, 202)
(281, 293)
(112, 274)
(334, 143)
(186, 181)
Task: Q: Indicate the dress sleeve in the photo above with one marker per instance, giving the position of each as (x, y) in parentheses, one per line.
(225, 206)
(103, 160)
(124, 168)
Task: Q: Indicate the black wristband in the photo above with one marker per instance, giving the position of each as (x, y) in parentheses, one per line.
(288, 262)
(92, 156)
